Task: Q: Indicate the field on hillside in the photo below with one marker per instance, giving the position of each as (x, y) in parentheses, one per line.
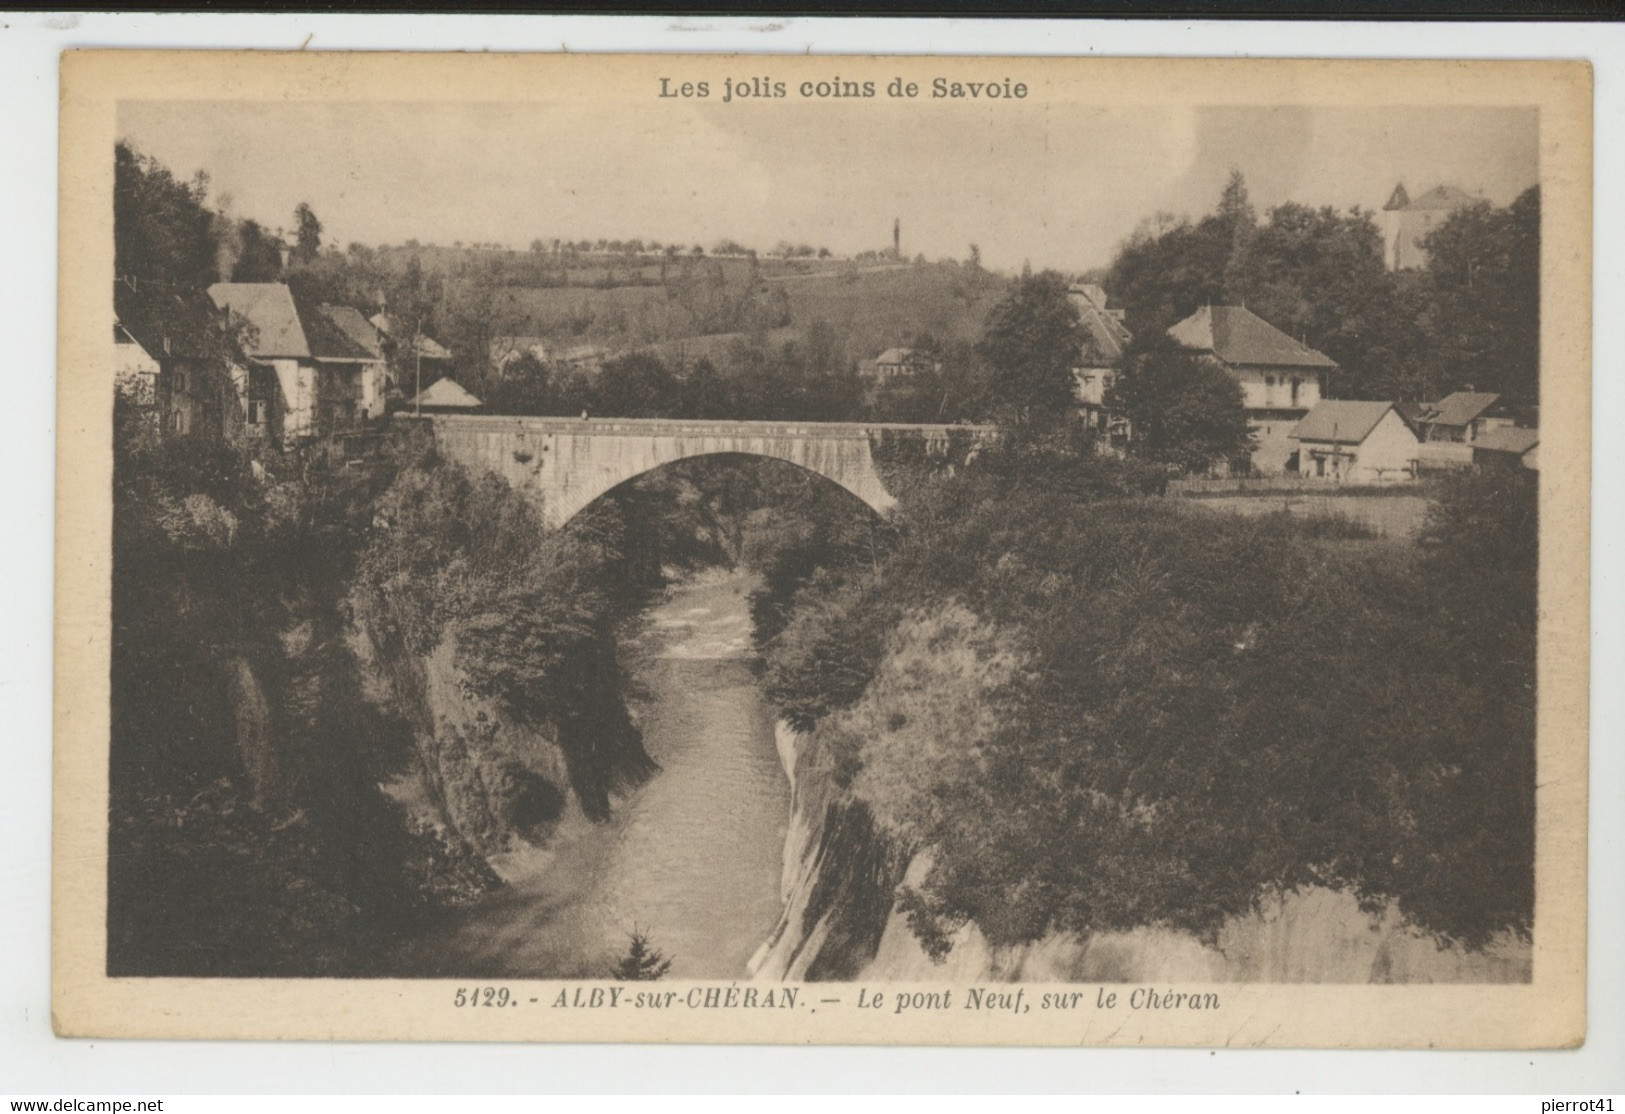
(700, 309)
(874, 310)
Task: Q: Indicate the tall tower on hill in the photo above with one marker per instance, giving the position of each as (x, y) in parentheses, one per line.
(897, 238)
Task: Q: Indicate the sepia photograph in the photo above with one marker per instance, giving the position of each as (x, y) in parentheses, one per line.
(866, 549)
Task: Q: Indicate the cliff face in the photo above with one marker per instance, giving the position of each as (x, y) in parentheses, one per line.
(840, 922)
(476, 775)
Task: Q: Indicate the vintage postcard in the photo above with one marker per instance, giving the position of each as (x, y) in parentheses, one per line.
(823, 549)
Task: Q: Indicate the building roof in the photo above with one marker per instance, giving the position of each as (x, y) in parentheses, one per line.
(1237, 335)
(446, 393)
(267, 307)
(1507, 439)
(1441, 197)
(357, 330)
(1398, 199)
(1104, 334)
(429, 348)
(171, 323)
(895, 356)
(1459, 409)
(1340, 422)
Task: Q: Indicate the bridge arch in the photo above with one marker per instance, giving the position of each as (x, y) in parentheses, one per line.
(566, 463)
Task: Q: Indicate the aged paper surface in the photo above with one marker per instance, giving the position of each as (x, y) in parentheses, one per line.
(672, 121)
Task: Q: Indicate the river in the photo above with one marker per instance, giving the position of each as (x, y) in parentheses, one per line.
(692, 858)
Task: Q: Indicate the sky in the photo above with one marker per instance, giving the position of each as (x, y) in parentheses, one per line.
(1051, 186)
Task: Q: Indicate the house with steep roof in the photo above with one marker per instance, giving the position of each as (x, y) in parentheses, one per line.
(173, 359)
(1281, 379)
(1355, 442)
(1406, 223)
(350, 366)
(280, 392)
(1103, 340)
(312, 369)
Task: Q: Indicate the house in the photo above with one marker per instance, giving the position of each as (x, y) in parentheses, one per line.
(173, 359)
(1450, 427)
(1464, 416)
(1355, 442)
(445, 396)
(281, 388)
(1281, 379)
(1508, 445)
(897, 361)
(350, 366)
(1104, 338)
(1406, 223)
(312, 370)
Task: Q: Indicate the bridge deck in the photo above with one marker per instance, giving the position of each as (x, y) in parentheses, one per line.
(646, 427)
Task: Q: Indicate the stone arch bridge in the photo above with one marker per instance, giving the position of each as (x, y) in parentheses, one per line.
(566, 463)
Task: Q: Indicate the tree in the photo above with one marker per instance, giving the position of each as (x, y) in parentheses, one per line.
(162, 230)
(1484, 264)
(1318, 275)
(308, 231)
(1184, 409)
(260, 256)
(1030, 345)
(641, 963)
(637, 386)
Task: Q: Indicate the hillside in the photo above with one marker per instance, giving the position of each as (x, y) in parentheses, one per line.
(703, 304)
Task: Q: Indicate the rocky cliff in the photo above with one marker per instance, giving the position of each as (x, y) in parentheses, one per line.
(841, 921)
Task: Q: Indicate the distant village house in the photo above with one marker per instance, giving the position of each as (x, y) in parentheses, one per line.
(1508, 446)
(1104, 338)
(445, 396)
(1355, 442)
(898, 362)
(1451, 426)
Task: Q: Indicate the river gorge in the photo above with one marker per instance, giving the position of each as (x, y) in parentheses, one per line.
(692, 858)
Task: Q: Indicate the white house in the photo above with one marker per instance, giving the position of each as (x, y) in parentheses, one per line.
(1281, 380)
(271, 336)
(1355, 442)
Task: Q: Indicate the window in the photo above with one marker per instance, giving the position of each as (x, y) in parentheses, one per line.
(1269, 380)
(1296, 383)
(256, 411)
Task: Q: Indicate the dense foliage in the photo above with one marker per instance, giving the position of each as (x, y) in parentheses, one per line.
(1098, 714)
(1186, 410)
(1469, 320)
